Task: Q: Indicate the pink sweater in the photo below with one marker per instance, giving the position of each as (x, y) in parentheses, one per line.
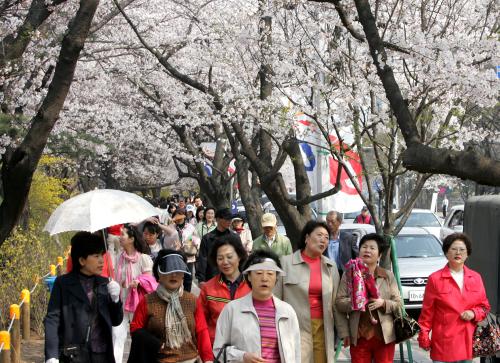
(269, 337)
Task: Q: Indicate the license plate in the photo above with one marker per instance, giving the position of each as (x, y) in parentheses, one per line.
(416, 295)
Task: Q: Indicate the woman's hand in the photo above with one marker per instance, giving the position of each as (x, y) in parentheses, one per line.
(134, 283)
(467, 315)
(252, 358)
(374, 304)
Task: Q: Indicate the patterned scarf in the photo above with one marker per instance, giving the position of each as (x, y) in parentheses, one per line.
(176, 328)
(128, 273)
(360, 284)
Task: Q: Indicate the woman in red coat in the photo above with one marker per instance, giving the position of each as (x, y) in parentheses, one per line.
(454, 302)
(228, 254)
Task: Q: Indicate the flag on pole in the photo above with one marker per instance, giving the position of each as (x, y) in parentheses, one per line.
(322, 168)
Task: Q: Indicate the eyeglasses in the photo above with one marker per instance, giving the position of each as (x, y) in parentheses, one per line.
(459, 250)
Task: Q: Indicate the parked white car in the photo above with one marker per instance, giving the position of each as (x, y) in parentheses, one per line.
(419, 254)
(454, 221)
(426, 219)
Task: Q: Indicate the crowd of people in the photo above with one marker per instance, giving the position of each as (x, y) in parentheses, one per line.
(257, 300)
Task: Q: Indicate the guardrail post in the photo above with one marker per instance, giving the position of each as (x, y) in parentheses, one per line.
(5, 343)
(59, 265)
(15, 334)
(26, 314)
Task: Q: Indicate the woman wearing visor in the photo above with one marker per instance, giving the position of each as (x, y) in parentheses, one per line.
(259, 327)
(167, 326)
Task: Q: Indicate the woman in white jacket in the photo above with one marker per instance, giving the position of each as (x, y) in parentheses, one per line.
(259, 327)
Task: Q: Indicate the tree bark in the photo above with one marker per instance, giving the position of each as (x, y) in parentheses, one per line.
(419, 157)
(18, 165)
(14, 44)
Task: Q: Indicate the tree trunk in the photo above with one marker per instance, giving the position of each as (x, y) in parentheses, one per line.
(19, 164)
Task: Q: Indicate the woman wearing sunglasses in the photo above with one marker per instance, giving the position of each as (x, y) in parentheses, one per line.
(167, 326)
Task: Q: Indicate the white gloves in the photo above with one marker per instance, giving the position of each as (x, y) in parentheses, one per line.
(52, 360)
(114, 293)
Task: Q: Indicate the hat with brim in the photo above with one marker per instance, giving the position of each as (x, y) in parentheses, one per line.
(268, 220)
(267, 265)
(178, 217)
(172, 263)
(224, 213)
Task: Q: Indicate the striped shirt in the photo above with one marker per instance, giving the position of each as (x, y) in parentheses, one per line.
(269, 337)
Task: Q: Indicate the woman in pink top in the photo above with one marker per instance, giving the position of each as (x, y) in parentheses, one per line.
(259, 327)
(310, 286)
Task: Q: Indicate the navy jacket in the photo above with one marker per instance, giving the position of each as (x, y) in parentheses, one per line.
(69, 313)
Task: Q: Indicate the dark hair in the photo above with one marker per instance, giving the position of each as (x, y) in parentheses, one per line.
(170, 207)
(448, 241)
(84, 244)
(151, 228)
(198, 210)
(161, 254)
(206, 210)
(381, 243)
(257, 257)
(139, 244)
(196, 197)
(308, 229)
(229, 240)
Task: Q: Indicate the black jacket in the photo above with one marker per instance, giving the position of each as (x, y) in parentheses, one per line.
(69, 313)
(204, 270)
(348, 249)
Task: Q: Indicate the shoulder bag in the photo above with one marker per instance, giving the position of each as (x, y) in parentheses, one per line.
(222, 353)
(486, 339)
(405, 327)
(80, 353)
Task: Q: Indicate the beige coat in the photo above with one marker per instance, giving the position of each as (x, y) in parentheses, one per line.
(238, 326)
(294, 289)
(388, 289)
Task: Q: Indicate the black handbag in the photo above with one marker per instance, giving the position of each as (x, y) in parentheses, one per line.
(222, 353)
(75, 353)
(405, 327)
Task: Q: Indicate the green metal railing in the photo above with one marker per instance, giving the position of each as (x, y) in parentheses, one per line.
(395, 269)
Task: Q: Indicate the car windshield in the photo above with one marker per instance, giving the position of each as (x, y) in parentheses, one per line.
(422, 220)
(412, 246)
(350, 215)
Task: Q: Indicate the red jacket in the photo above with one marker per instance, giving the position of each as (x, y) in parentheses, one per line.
(214, 295)
(442, 306)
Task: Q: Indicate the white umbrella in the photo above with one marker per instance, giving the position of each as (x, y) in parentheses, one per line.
(99, 209)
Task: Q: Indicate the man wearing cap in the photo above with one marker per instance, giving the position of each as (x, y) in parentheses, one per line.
(271, 239)
(364, 217)
(205, 271)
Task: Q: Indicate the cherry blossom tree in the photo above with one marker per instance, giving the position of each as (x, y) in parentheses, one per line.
(20, 159)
